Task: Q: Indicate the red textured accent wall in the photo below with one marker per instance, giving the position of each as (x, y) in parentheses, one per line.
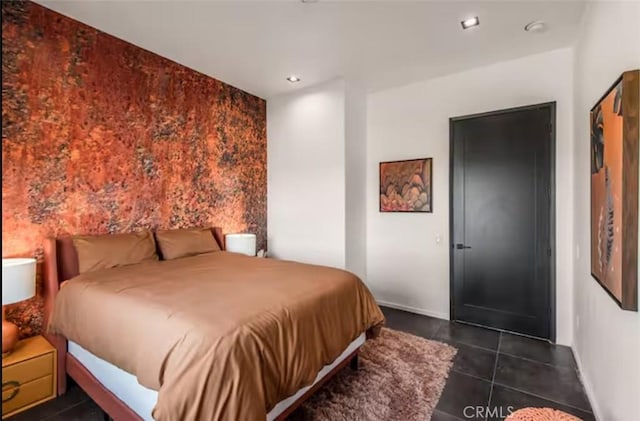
(100, 136)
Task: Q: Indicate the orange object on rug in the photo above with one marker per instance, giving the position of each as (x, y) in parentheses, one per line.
(540, 414)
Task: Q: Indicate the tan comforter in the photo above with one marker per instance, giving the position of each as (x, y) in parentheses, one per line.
(220, 336)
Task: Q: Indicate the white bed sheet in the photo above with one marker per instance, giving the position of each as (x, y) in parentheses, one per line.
(142, 400)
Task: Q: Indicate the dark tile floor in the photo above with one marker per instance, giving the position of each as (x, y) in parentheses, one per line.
(492, 374)
(495, 372)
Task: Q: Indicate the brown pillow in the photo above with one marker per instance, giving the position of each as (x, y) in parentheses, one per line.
(109, 251)
(185, 242)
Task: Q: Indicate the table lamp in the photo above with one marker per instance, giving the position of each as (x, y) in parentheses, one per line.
(241, 243)
(18, 284)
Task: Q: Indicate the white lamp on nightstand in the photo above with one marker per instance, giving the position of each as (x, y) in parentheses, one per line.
(18, 284)
(241, 243)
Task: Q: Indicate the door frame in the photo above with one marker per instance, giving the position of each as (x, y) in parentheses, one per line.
(551, 106)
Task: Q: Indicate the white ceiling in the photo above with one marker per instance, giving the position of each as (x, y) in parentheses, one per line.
(255, 45)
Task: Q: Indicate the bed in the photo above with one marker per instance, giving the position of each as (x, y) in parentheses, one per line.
(269, 350)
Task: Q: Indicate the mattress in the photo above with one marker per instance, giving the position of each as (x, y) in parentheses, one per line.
(142, 400)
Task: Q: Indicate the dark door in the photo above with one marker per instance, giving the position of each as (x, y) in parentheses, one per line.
(502, 220)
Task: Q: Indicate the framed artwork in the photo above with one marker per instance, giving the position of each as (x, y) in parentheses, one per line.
(614, 190)
(406, 186)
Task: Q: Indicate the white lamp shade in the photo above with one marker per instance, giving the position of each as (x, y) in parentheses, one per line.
(18, 280)
(241, 243)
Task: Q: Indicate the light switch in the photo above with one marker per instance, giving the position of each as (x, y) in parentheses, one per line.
(438, 239)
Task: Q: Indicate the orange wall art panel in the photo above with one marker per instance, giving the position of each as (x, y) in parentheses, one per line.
(100, 136)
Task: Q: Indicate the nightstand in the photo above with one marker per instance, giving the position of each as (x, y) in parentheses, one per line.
(28, 375)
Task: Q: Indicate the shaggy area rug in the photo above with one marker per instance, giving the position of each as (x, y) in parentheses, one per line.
(401, 377)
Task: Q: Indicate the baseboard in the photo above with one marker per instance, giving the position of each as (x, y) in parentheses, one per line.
(415, 310)
(587, 385)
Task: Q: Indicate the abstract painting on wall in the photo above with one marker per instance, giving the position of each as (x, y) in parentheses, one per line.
(406, 186)
(614, 190)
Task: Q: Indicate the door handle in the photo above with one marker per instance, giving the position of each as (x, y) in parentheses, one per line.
(461, 246)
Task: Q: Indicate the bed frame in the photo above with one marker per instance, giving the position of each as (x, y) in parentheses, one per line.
(60, 264)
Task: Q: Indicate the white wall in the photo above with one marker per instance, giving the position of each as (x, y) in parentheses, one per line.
(316, 170)
(405, 265)
(607, 339)
(356, 178)
(306, 175)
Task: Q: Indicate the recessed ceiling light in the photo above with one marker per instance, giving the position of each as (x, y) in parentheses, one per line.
(293, 79)
(536, 26)
(470, 23)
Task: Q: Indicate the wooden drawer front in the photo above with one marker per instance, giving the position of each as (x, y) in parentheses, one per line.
(16, 398)
(31, 369)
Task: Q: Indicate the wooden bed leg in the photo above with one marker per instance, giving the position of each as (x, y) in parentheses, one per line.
(60, 343)
(353, 364)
